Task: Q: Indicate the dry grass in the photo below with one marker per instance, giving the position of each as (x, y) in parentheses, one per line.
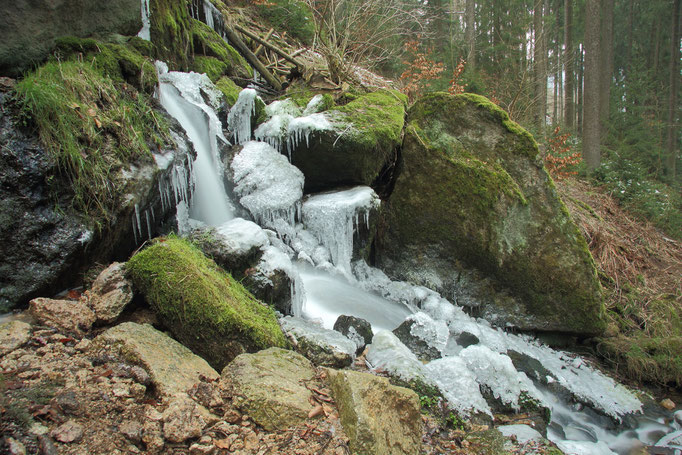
(641, 271)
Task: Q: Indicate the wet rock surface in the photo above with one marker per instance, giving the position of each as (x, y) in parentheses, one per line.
(321, 346)
(355, 329)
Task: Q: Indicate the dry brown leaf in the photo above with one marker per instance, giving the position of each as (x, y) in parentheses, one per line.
(98, 123)
(91, 112)
(316, 411)
(222, 443)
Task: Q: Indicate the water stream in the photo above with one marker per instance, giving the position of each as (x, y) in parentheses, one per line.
(315, 234)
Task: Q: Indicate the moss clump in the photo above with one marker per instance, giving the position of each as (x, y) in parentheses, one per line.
(122, 62)
(205, 308)
(656, 360)
(92, 128)
(377, 117)
(292, 16)
(207, 43)
(211, 66)
(229, 89)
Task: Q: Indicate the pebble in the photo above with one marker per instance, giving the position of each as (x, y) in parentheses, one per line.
(15, 447)
(71, 431)
(668, 404)
(132, 430)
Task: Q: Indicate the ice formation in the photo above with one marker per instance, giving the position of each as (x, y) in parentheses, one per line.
(302, 127)
(434, 333)
(241, 236)
(458, 386)
(389, 354)
(239, 117)
(268, 186)
(333, 217)
(314, 105)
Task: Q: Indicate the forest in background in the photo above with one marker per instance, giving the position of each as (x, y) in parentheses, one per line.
(596, 81)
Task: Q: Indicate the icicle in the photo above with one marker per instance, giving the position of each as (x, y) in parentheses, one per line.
(149, 224)
(145, 32)
(137, 217)
(239, 117)
(134, 228)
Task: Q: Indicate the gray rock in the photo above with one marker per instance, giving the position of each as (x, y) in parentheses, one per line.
(13, 335)
(466, 339)
(67, 315)
(522, 433)
(131, 429)
(269, 387)
(30, 27)
(356, 329)
(379, 418)
(173, 369)
(15, 447)
(321, 346)
(110, 293)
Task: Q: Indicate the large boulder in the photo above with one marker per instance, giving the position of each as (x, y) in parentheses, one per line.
(29, 27)
(356, 147)
(474, 214)
(270, 386)
(202, 305)
(173, 369)
(378, 417)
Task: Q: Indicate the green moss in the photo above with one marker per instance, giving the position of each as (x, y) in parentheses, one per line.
(170, 31)
(377, 117)
(203, 305)
(120, 62)
(91, 128)
(229, 89)
(656, 360)
(292, 16)
(211, 66)
(207, 43)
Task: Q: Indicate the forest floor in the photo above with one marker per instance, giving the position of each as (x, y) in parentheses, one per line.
(640, 269)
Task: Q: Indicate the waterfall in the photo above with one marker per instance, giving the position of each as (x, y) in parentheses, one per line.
(145, 32)
(181, 95)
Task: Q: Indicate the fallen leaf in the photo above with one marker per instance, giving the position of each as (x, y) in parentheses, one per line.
(222, 443)
(73, 294)
(98, 123)
(91, 112)
(74, 106)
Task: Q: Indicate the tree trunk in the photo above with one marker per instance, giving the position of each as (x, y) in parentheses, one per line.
(672, 124)
(540, 62)
(569, 65)
(580, 89)
(606, 52)
(591, 125)
(471, 34)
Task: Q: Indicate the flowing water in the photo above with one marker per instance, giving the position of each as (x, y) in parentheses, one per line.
(313, 237)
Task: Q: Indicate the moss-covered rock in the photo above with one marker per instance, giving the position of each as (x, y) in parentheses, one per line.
(213, 56)
(362, 143)
(472, 201)
(378, 417)
(204, 307)
(171, 32)
(270, 386)
(30, 28)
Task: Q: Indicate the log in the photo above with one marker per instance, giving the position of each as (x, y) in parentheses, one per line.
(252, 59)
(259, 49)
(272, 47)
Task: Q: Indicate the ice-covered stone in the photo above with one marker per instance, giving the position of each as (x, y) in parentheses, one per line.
(239, 117)
(458, 385)
(301, 129)
(389, 354)
(266, 183)
(522, 433)
(315, 105)
(424, 336)
(321, 346)
(240, 236)
(584, 448)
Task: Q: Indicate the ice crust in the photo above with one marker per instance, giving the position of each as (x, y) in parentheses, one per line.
(318, 335)
(268, 186)
(434, 333)
(458, 385)
(239, 117)
(389, 354)
(240, 236)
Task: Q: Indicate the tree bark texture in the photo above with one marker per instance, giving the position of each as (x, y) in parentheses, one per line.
(591, 123)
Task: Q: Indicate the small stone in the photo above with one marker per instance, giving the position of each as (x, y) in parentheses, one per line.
(678, 417)
(132, 430)
(71, 431)
(152, 436)
(38, 429)
(202, 449)
(67, 402)
(356, 329)
(205, 439)
(150, 413)
(82, 345)
(121, 390)
(15, 447)
(668, 404)
(13, 335)
(137, 390)
(111, 292)
(46, 445)
(232, 416)
(67, 315)
(182, 420)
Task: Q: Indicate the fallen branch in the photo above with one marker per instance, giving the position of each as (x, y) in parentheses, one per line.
(272, 47)
(259, 49)
(252, 59)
